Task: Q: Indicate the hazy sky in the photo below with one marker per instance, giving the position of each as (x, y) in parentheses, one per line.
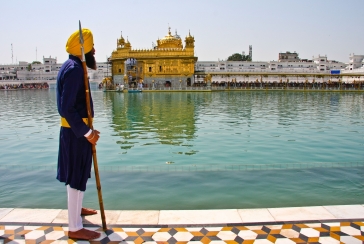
(221, 27)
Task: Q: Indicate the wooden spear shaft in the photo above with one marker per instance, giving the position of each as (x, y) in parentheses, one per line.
(89, 117)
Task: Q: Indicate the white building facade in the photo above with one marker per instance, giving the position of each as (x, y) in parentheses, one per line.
(45, 72)
(244, 71)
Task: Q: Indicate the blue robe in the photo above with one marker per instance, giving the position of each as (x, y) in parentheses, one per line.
(75, 154)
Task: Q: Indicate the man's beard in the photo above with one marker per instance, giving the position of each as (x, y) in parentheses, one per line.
(90, 60)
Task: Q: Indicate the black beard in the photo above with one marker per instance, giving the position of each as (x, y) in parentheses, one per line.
(90, 60)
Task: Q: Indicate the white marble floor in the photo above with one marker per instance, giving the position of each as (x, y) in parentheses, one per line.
(189, 217)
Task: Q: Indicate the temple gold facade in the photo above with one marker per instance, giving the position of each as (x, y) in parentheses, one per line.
(169, 63)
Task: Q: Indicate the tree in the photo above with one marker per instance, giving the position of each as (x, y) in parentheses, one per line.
(30, 65)
(239, 57)
(235, 57)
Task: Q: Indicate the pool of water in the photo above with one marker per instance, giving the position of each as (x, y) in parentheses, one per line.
(192, 150)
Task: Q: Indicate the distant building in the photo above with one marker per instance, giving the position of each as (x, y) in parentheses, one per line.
(323, 64)
(289, 63)
(355, 61)
(47, 71)
(288, 57)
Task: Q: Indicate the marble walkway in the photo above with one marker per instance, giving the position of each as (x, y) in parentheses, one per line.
(317, 224)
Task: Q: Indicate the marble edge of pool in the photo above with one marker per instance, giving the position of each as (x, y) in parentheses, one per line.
(210, 217)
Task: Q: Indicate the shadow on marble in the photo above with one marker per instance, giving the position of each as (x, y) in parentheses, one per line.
(4, 212)
(111, 217)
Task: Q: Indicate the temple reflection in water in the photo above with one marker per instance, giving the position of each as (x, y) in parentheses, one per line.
(147, 116)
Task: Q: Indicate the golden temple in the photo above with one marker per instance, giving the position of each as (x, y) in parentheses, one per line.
(169, 63)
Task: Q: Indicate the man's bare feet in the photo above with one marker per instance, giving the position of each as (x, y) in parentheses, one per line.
(83, 234)
(88, 211)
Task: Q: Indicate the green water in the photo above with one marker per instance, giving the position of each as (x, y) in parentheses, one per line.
(192, 150)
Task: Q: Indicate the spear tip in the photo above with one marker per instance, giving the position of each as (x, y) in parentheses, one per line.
(80, 31)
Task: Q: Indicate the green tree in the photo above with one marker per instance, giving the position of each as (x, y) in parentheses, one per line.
(30, 65)
(239, 57)
(247, 58)
(235, 57)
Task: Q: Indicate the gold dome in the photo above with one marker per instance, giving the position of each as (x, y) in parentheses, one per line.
(170, 41)
(127, 43)
(121, 41)
(190, 40)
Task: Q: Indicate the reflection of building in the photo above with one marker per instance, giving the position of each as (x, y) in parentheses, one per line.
(167, 64)
(162, 118)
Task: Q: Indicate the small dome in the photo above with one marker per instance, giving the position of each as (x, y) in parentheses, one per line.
(177, 36)
(127, 43)
(190, 40)
(121, 41)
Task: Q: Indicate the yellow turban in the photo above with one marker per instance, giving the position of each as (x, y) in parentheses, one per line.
(73, 45)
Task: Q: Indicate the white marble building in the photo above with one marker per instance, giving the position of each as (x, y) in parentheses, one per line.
(47, 71)
(244, 71)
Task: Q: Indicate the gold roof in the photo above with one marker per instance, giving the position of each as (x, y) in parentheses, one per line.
(170, 41)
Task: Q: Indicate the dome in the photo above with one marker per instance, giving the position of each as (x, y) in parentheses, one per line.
(121, 41)
(190, 40)
(170, 41)
(176, 36)
(127, 44)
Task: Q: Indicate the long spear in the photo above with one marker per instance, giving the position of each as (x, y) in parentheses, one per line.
(89, 116)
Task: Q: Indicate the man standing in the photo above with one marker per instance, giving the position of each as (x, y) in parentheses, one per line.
(75, 154)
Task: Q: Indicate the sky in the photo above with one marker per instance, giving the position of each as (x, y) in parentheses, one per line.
(31, 30)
